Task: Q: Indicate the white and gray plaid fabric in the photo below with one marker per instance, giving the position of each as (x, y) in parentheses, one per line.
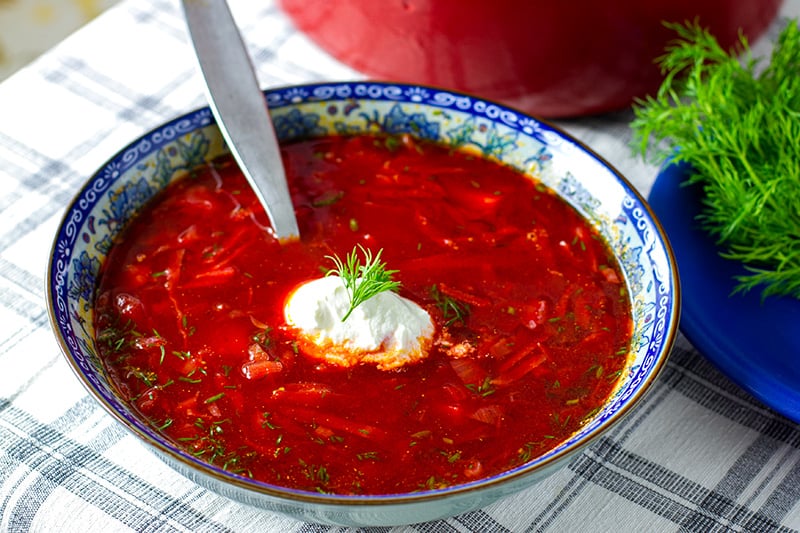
(699, 454)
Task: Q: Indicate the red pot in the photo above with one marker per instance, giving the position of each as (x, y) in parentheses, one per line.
(550, 58)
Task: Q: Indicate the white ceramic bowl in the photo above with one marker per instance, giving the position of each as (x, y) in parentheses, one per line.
(114, 194)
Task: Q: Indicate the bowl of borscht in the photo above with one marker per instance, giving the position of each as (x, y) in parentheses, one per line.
(474, 298)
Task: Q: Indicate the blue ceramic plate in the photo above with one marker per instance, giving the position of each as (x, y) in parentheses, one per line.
(757, 344)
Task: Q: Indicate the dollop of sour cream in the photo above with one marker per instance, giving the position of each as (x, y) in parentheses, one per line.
(387, 330)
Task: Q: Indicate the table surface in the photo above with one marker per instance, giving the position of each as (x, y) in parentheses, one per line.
(699, 454)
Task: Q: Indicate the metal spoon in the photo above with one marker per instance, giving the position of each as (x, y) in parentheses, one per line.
(240, 109)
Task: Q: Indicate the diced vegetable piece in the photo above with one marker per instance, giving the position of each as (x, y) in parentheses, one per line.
(259, 369)
(488, 414)
(516, 368)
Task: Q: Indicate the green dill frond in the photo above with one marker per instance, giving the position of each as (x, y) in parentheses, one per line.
(736, 121)
(362, 281)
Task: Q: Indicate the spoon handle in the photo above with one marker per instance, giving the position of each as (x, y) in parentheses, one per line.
(240, 109)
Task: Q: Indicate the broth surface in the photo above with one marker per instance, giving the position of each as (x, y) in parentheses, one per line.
(189, 315)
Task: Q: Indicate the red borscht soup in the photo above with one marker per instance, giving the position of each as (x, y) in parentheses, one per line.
(532, 319)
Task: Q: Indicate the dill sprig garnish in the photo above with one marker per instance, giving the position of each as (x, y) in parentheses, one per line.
(362, 281)
(736, 122)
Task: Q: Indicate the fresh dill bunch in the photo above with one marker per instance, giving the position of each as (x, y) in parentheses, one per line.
(362, 281)
(736, 122)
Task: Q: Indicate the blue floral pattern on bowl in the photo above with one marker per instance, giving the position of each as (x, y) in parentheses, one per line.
(124, 184)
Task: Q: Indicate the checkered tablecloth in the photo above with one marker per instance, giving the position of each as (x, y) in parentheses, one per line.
(699, 454)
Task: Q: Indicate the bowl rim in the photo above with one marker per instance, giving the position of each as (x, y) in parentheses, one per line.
(503, 479)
